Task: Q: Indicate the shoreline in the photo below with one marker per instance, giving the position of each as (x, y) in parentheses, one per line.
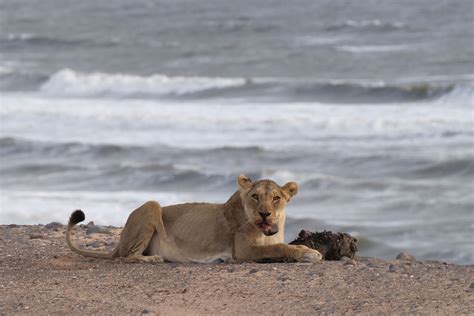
(40, 275)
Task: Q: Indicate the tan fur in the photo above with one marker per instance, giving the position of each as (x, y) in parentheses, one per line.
(205, 232)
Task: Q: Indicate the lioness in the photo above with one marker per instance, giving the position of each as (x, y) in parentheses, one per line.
(248, 227)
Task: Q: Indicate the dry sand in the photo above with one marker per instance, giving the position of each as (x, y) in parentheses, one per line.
(40, 275)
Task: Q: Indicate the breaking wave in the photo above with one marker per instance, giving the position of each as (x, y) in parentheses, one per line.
(366, 25)
(459, 94)
(69, 83)
(33, 40)
(362, 49)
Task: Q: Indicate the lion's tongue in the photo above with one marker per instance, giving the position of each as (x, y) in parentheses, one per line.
(271, 230)
(268, 229)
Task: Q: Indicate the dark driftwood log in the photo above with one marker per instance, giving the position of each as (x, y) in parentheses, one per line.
(333, 246)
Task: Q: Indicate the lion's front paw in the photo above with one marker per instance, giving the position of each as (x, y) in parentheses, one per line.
(311, 255)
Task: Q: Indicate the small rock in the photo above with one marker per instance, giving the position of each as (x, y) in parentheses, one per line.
(253, 271)
(98, 230)
(36, 236)
(110, 245)
(13, 226)
(96, 244)
(54, 225)
(405, 256)
(373, 265)
(471, 287)
(90, 224)
(392, 268)
(350, 262)
(145, 311)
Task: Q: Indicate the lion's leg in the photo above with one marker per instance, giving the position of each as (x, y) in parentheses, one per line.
(259, 252)
(142, 224)
(145, 259)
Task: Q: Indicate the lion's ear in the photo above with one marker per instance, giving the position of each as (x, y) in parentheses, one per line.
(244, 182)
(291, 188)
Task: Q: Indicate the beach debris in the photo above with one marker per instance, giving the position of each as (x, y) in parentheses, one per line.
(405, 256)
(54, 225)
(98, 230)
(36, 236)
(333, 246)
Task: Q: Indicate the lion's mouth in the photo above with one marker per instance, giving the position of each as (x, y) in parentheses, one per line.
(266, 228)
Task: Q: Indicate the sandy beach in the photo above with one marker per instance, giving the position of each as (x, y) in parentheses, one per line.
(40, 275)
(366, 105)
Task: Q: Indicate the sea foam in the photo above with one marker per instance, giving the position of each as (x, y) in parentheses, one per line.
(74, 84)
(71, 83)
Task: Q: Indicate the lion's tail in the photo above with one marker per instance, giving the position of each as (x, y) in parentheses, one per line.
(77, 217)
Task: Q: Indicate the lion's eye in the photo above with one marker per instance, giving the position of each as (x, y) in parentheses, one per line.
(255, 196)
(276, 199)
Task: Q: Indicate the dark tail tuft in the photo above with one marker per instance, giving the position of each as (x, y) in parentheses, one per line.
(76, 217)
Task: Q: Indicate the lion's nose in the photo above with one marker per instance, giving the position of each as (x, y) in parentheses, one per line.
(264, 214)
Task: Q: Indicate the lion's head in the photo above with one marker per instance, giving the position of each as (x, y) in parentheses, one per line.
(264, 202)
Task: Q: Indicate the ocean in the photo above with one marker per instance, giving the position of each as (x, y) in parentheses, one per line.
(368, 105)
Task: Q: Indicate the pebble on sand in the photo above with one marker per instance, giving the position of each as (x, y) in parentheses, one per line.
(374, 265)
(54, 225)
(96, 244)
(349, 262)
(405, 256)
(98, 230)
(36, 236)
(392, 268)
